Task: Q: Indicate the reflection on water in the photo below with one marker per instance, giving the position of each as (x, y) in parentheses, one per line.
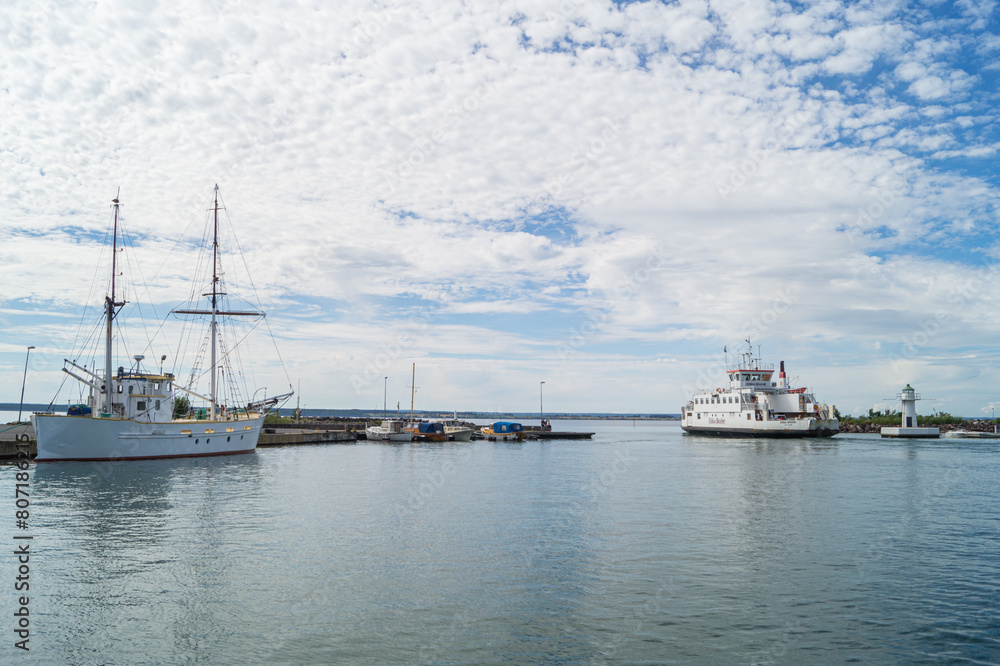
(642, 545)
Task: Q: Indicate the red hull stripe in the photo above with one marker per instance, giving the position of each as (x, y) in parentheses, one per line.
(183, 455)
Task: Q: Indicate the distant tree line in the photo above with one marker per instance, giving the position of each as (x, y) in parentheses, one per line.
(890, 417)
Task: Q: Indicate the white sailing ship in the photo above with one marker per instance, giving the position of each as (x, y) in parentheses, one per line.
(758, 404)
(129, 414)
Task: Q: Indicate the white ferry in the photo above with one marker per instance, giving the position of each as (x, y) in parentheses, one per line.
(758, 404)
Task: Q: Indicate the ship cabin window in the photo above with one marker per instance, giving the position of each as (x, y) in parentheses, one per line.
(141, 405)
(156, 386)
(748, 417)
(121, 389)
(130, 389)
(157, 405)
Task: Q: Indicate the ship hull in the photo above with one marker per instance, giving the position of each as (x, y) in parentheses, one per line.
(764, 433)
(84, 438)
(459, 434)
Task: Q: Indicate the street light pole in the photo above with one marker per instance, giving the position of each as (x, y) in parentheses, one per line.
(541, 406)
(385, 393)
(23, 380)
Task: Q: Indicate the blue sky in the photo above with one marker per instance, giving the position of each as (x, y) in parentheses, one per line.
(597, 195)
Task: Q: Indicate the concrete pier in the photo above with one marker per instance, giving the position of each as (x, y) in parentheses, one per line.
(297, 436)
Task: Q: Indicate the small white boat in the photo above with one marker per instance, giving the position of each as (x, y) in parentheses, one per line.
(389, 430)
(503, 431)
(964, 434)
(456, 431)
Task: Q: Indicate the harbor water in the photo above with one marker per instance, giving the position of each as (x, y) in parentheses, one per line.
(643, 545)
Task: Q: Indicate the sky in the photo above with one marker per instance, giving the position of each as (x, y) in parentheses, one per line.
(607, 197)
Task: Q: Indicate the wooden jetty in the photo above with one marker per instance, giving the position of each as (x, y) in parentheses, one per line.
(537, 432)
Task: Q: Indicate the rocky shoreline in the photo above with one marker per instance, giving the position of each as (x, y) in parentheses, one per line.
(977, 425)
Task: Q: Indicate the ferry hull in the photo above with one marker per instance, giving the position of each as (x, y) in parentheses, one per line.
(753, 432)
(84, 438)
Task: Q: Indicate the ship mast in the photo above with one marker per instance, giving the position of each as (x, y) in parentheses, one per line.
(215, 299)
(216, 295)
(109, 306)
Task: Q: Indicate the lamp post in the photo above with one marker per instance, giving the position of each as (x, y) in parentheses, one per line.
(385, 393)
(541, 406)
(23, 380)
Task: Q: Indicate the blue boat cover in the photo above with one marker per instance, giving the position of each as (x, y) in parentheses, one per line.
(506, 426)
(78, 410)
(426, 428)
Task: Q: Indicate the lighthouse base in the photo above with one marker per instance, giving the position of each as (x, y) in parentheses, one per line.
(922, 433)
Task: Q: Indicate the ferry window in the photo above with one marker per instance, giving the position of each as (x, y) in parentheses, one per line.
(748, 417)
(141, 405)
(157, 387)
(130, 389)
(157, 404)
(121, 389)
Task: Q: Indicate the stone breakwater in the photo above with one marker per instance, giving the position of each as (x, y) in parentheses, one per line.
(984, 425)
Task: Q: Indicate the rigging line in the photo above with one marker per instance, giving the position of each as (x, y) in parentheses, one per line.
(58, 391)
(127, 242)
(238, 355)
(180, 238)
(238, 343)
(253, 287)
(278, 351)
(90, 293)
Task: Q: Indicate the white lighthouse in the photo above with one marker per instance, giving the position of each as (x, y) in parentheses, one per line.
(908, 427)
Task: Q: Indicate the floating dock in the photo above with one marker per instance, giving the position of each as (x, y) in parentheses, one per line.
(536, 432)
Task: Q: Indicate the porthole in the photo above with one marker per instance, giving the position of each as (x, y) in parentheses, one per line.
(196, 441)
(208, 440)
(228, 438)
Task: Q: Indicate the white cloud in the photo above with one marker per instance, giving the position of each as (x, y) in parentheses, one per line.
(386, 163)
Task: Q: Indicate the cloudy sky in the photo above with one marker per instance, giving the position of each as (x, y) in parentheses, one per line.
(596, 194)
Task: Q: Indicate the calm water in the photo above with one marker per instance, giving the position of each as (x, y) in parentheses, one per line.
(642, 546)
